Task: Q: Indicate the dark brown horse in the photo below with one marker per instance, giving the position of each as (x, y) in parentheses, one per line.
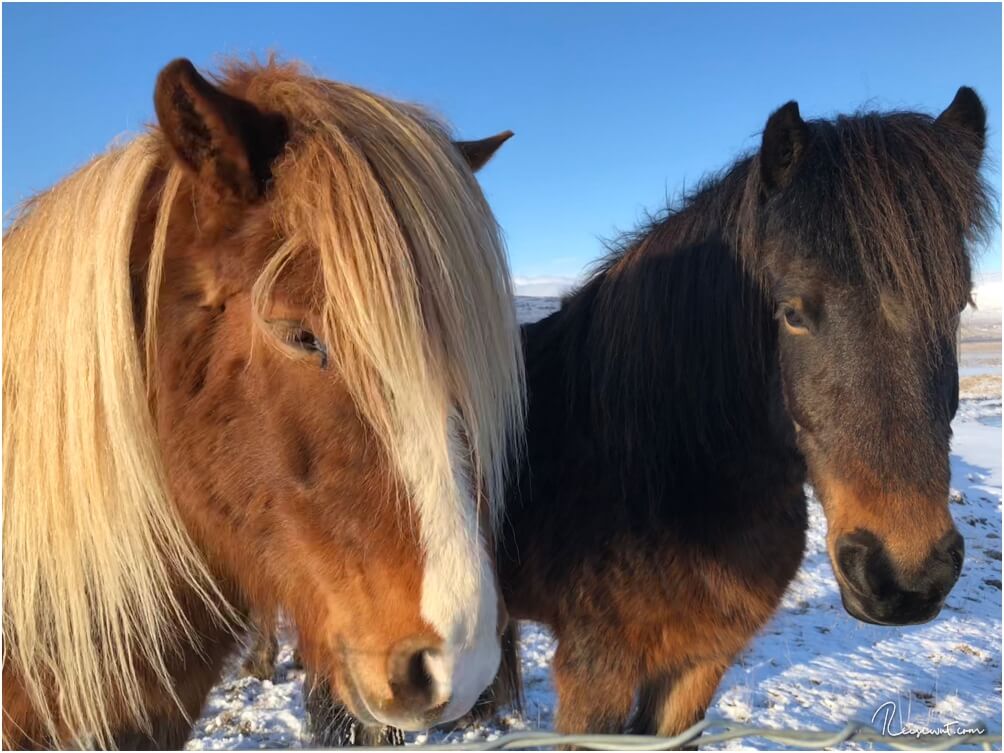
(262, 357)
(793, 320)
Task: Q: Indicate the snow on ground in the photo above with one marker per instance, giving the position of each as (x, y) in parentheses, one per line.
(812, 667)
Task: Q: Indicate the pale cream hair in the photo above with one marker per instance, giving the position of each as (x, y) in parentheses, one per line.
(418, 316)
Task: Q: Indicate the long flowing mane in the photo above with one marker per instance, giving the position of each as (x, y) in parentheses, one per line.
(419, 317)
(92, 549)
(668, 342)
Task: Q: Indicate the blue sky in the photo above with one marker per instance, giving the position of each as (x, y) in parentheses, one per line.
(615, 107)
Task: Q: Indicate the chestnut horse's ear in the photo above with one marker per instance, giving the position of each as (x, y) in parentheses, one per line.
(477, 153)
(784, 141)
(966, 112)
(226, 141)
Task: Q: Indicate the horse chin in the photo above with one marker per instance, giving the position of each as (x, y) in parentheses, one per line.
(354, 700)
(368, 714)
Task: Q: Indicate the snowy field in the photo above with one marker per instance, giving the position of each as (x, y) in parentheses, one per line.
(813, 666)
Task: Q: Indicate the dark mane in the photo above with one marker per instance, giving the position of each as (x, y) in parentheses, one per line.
(886, 202)
(639, 342)
(675, 328)
(889, 196)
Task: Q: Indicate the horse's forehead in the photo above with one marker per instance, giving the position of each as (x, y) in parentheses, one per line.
(797, 270)
(237, 255)
(300, 280)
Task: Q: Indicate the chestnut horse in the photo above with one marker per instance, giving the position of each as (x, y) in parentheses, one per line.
(793, 320)
(263, 356)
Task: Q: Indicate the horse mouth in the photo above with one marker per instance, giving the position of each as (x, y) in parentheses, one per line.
(905, 609)
(356, 702)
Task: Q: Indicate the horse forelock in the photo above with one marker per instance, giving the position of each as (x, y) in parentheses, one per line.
(417, 298)
(892, 204)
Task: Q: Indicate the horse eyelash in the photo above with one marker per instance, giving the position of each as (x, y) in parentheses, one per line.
(316, 346)
(287, 332)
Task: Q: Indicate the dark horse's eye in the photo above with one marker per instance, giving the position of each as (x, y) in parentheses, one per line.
(794, 318)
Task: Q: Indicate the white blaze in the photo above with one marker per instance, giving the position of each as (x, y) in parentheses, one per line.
(459, 598)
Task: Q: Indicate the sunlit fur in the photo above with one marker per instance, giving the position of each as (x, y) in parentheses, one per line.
(421, 326)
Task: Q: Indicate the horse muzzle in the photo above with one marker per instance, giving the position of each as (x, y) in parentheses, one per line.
(875, 591)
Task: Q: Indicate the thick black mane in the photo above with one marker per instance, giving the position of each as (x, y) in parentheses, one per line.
(667, 350)
(880, 200)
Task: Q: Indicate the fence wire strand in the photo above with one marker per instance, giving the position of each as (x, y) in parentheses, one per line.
(711, 731)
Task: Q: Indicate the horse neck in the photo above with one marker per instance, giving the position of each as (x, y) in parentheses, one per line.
(671, 357)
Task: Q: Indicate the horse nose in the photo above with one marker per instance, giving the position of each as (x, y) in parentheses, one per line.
(875, 590)
(416, 677)
(951, 552)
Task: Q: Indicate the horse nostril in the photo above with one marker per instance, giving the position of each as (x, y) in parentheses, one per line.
(855, 560)
(955, 548)
(418, 673)
(875, 589)
(411, 678)
(956, 561)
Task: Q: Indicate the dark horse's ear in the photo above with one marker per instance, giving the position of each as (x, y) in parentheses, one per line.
(477, 153)
(784, 140)
(226, 141)
(966, 112)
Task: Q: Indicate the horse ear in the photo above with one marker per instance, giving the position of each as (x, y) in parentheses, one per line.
(783, 145)
(226, 141)
(966, 112)
(477, 153)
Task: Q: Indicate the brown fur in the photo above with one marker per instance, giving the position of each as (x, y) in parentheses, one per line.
(193, 668)
(299, 462)
(693, 615)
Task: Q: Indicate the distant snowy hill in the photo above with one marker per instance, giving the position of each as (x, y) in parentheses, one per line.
(983, 323)
(988, 295)
(543, 287)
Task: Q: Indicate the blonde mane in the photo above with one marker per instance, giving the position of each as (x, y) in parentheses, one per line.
(92, 548)
(418, 317)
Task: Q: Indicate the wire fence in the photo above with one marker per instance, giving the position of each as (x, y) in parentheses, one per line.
(711, 731)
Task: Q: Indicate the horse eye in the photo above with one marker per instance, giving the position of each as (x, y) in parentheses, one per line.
(306, 340)
(794, 318)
